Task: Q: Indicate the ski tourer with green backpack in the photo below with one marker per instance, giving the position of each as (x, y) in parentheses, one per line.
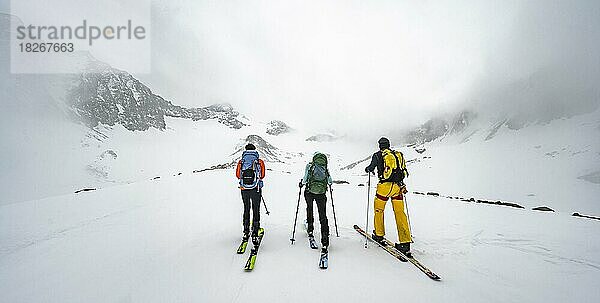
(317, 179)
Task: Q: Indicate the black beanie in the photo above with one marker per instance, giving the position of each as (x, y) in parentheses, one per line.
(384, 143)
(250, 146)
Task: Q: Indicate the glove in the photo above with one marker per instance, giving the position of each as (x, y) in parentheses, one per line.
(367, 170)
(300, 184)
(403, 189)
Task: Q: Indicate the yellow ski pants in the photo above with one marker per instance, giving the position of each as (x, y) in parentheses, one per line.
(385, 191)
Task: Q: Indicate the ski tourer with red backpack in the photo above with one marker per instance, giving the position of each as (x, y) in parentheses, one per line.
(250, 172)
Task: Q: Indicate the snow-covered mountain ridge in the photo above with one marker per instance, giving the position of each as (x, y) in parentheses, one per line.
(497, 159)
(105, 95)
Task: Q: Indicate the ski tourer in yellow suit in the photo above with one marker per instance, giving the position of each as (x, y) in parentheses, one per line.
(391, 170)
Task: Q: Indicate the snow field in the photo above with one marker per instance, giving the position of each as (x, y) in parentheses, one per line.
(174, 240)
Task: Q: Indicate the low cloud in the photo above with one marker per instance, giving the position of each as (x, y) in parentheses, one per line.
(363, 67)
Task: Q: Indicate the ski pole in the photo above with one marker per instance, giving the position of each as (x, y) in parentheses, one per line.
(296, 217)
(368, 200)
(408, 216)
(333, 206)
(265, 204)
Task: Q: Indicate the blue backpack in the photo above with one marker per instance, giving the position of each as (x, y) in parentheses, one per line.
(250, 170)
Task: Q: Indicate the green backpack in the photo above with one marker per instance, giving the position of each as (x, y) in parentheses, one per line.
(318, 174)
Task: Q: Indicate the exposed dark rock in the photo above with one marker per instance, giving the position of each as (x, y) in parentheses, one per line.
(461, 121)
(322, 138)
(495, 129)
(101, 166)
(108, 154)
(340, 182)
(543, 208)
(360, 184)
(215, 167)
(109, 96)
(433, 194)
(501, 203)
(155, 178)
(436, 128)
(510, 204)
(515, 123)
(353, 164)
(277, 128)
(420, 150)
(84, 190)
(266, 151)
(585, 216)
(429, 131)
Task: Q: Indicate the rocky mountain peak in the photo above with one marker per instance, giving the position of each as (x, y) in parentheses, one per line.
(105, 95)
(276, 128)
(266, 150)
(436, 128)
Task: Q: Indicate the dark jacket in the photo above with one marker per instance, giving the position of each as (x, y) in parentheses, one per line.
(377, 162)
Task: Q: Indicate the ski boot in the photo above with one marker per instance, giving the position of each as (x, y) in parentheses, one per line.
(255, 240)
(378, 239)
(404, 248)
(311, 241)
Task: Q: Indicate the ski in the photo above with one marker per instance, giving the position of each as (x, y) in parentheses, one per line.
(254, 252)
(324, 260)
(242, 248)
(416, 263)
(389, 247)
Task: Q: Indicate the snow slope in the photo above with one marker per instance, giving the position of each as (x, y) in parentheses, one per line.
(174, 240)
(539, 164)
(159, 227)
(554, 164)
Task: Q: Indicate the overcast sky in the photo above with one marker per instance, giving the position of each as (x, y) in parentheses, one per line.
(363, 65)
